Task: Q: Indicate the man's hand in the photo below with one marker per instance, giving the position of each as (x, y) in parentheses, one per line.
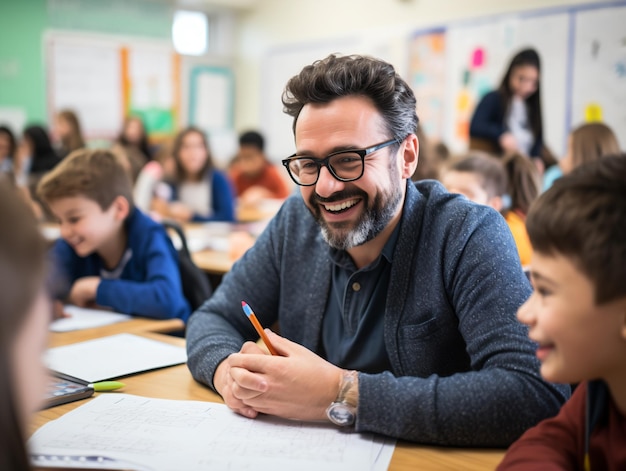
(83, 292)
(298, 384)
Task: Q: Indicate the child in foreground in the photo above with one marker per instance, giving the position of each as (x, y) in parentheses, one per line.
(577, 316)
(110, 254)
(24, 318)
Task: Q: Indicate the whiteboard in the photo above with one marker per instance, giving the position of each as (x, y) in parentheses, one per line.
(105, 77)
(599, 70)
(87, 79)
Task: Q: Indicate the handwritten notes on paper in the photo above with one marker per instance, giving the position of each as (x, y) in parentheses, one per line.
(165, 435)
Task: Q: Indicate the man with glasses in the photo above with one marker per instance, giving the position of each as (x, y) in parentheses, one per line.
(398, 317)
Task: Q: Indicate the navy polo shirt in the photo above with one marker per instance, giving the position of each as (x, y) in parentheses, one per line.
(353, 325)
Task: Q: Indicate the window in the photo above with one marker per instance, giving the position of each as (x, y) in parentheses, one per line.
(190, 32)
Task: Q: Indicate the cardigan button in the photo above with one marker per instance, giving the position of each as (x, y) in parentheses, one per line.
(356, 286)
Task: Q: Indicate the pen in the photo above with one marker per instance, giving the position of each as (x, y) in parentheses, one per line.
(258, 328)
(106, 386)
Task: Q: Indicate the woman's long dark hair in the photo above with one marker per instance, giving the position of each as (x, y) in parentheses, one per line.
(22, 252)
(533, 102)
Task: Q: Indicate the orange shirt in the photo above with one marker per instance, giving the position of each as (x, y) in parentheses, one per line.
(270, 178)
(516, 224)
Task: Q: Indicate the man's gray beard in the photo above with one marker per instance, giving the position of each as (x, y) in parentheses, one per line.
(371, 223)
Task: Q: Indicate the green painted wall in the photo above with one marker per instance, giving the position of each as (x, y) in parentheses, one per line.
(23, 24)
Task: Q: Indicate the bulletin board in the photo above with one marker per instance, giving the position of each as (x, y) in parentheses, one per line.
(278, 67)
(104, 78)
(583, 76)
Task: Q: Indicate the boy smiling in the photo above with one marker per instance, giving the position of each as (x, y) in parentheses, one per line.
(110, 254)
(577, 316)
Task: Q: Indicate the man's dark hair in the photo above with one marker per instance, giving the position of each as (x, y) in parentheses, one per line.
(252, 138)
(339, 76)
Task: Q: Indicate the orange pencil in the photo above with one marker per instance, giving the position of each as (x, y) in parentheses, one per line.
(257, 327)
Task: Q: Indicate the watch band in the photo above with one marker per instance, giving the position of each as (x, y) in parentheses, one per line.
(342, 411)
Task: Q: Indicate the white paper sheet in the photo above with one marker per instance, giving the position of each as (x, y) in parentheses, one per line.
(164, 435)
(113, 357)
(82, 318)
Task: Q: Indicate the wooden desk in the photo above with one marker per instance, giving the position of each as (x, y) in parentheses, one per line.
(136, 325)
(176, 383)
(213, 261)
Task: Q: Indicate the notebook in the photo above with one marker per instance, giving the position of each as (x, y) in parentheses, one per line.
(112, 357)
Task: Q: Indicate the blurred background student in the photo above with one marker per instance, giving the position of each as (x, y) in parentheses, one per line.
(66, 132)
(433, 157)
(587, 143)
(509, 119)
(134, 136)
(199, 192)
(253, 175)
(24, 316)
(34, 157)
(509, 186)
(7, 149)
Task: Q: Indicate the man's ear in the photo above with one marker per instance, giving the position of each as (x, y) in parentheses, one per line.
(122, 208)
(410, 149)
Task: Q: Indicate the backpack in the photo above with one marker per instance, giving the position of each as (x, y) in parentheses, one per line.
(196, 286)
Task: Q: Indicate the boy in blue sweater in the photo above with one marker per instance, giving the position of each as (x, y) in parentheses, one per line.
(110, 254)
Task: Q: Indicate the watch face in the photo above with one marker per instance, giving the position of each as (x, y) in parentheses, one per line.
(340, 413)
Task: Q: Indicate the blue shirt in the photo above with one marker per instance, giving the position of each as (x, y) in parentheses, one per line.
(145, 283)
(353, 326)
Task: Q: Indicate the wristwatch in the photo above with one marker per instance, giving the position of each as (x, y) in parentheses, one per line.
(342, 411)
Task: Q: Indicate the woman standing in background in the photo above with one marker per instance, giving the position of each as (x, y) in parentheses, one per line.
(67, 133)
(509, 119)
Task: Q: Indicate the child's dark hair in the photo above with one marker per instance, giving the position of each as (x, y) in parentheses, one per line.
(524, 181)
(488, 169)
(253, 139)
(583, 217)
(95, 174)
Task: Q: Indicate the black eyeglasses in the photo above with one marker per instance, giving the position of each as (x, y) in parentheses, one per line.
(344, 165)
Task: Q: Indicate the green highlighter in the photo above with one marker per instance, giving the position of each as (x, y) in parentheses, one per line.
(106, 386)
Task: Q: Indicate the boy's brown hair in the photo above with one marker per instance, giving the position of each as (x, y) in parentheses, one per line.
(583, 217)
(95, 174)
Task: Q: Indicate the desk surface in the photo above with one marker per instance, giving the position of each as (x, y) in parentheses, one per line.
(176, 383)
(136, 325)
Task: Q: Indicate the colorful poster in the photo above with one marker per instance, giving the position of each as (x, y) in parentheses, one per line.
(427, 78)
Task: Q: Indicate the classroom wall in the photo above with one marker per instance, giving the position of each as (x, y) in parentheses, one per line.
(384, 27)
(23, 25)
(21, 61)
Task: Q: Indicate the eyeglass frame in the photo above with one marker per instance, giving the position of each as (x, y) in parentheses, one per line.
(325, 161)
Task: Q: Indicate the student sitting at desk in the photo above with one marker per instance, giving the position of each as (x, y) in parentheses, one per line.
(577, 316)
(24, 317)
(253, 175)
(198, 191)
(398, 316)
(111, 254)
